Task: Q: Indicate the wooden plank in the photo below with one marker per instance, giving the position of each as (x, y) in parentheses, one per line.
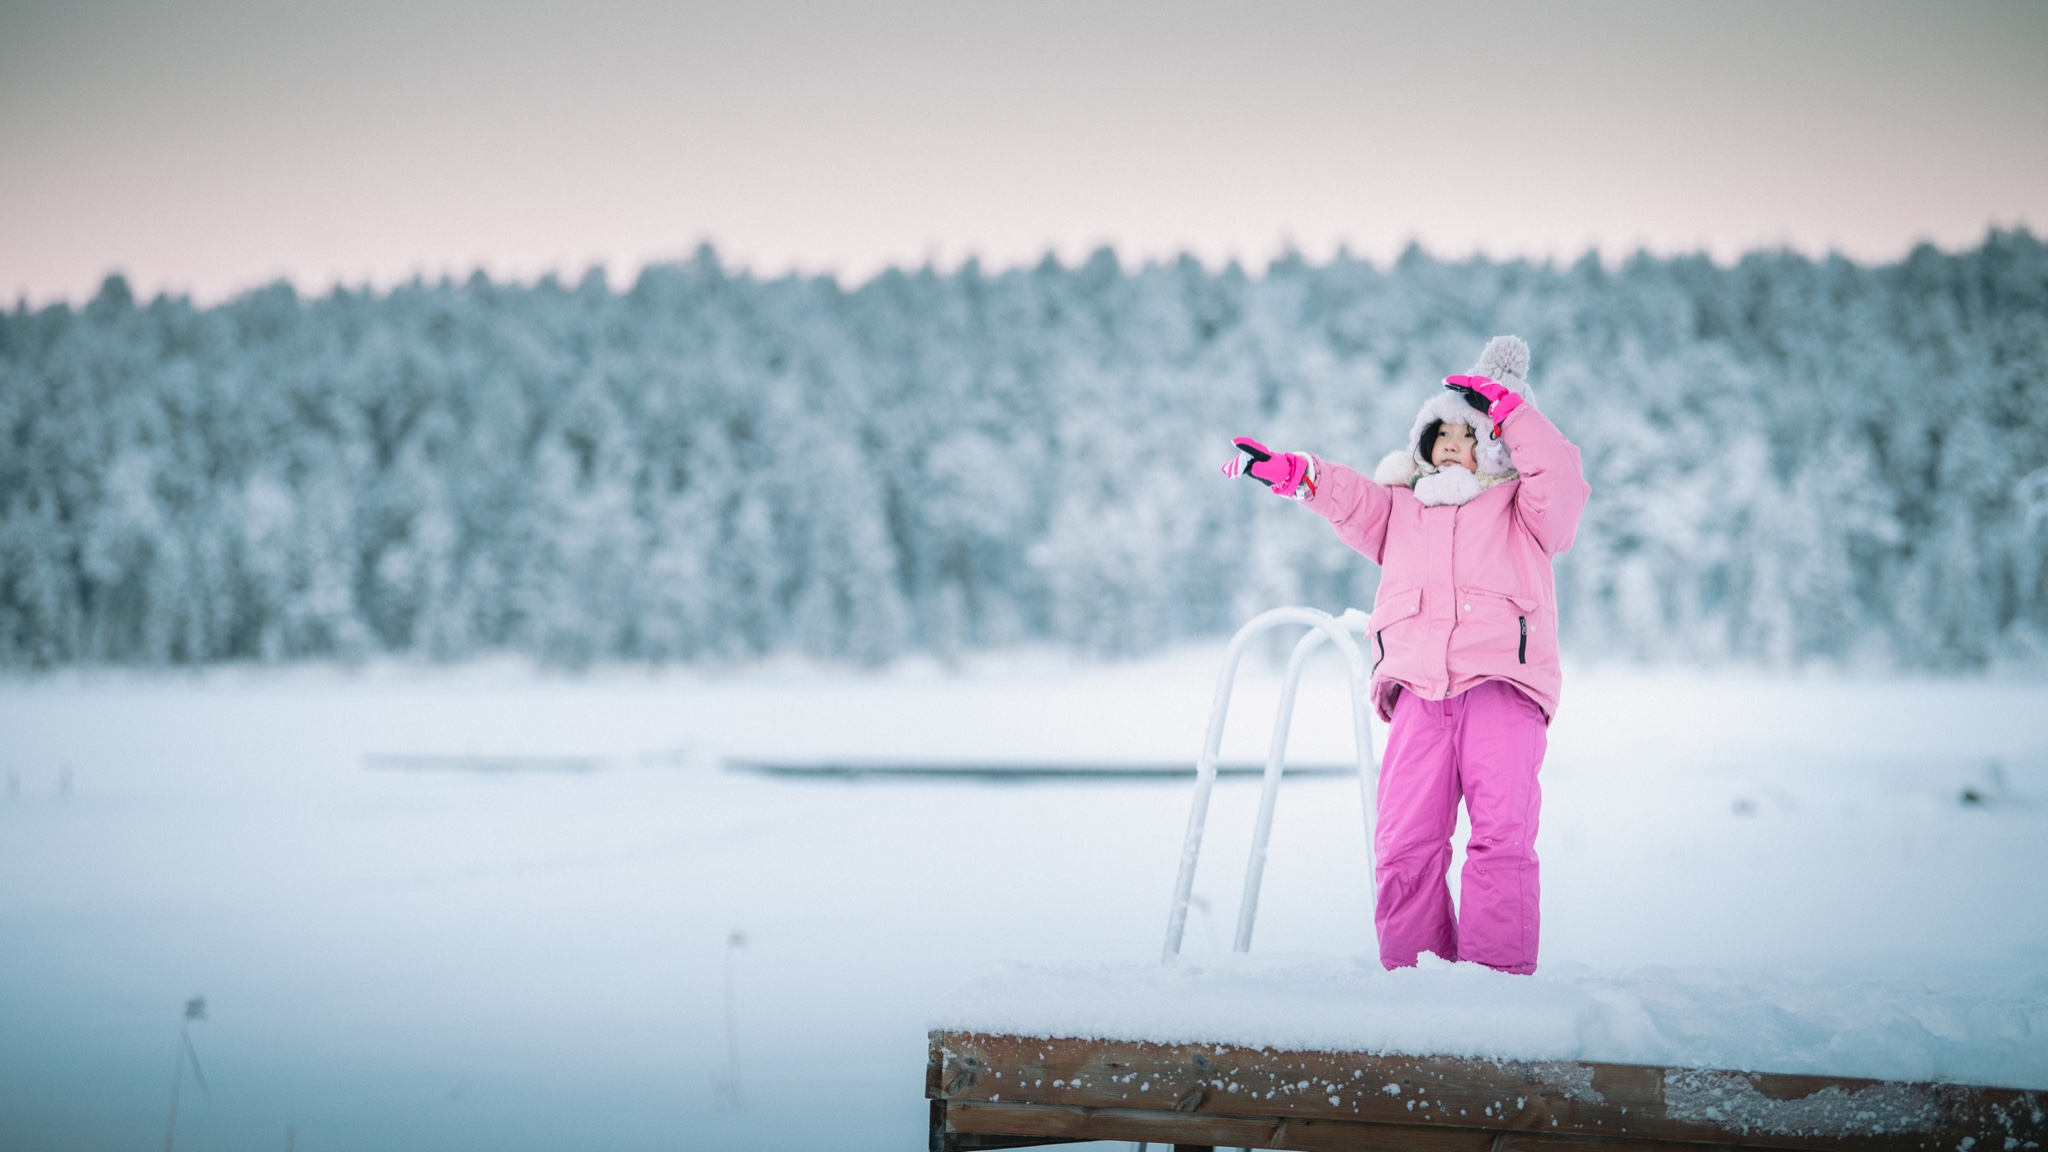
(1065, 1122)
(944, 1137)
(1058, 1122)
(1546, 1099)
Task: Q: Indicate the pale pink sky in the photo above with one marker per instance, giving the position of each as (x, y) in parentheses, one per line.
(212, 145)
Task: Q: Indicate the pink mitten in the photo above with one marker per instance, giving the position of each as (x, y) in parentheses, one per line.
(1481, 393)
(1289, 474)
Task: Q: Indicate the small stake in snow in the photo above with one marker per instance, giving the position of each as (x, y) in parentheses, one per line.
(195, 1009)
(728, 1086)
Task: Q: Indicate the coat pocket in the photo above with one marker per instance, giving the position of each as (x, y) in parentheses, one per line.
(1493, 630)
(1391, 610)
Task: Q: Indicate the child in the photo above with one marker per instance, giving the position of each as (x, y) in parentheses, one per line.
(1463, 640)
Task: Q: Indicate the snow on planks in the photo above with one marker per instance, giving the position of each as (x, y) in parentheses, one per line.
(1013, 1091)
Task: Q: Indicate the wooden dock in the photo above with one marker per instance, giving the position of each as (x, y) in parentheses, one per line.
(1011, 1092)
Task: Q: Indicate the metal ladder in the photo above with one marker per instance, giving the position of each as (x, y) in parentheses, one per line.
(1321, 627)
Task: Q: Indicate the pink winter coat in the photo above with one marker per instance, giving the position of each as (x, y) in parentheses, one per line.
(1466, 592)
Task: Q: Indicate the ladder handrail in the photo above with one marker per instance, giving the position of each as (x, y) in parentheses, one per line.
(1321, 625)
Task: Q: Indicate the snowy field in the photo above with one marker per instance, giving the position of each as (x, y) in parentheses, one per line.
(487, 907)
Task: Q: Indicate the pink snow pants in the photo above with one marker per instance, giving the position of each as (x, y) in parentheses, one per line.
(1484, 745)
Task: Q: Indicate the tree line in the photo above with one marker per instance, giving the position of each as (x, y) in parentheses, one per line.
(1792, 459)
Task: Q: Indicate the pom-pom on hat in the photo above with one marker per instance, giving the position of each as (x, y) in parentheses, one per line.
(1505, 361)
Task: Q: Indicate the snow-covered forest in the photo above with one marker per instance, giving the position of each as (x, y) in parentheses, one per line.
(1791, 459)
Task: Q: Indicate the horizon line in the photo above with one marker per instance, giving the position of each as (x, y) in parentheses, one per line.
(1286, 253)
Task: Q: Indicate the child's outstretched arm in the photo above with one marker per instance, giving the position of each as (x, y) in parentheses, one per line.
(1356, 507)
(1553, 490)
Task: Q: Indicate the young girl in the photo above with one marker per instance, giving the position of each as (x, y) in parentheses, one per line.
(1464, 643)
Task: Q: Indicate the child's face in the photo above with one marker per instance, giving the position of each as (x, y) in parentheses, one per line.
(1455, 444)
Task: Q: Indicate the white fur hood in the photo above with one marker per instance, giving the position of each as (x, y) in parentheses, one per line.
(1505, 361)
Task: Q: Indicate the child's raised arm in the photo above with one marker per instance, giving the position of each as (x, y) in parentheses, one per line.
(1554, 490)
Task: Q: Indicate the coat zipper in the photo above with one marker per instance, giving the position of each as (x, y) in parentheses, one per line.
(1380, 637)
(1522, 649)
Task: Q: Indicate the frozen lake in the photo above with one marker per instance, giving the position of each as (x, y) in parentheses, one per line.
(485, 907)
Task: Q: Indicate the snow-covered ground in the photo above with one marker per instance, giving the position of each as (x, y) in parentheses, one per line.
(401, 953)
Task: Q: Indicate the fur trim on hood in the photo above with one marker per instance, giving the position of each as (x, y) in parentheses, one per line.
(1397, 469)
(1450, 407)
(1434, 486)
(1505, 361)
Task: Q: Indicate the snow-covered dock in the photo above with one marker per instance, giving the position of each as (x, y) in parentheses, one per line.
(992, 1091)
(1966, 1029)
(1326, 1053)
